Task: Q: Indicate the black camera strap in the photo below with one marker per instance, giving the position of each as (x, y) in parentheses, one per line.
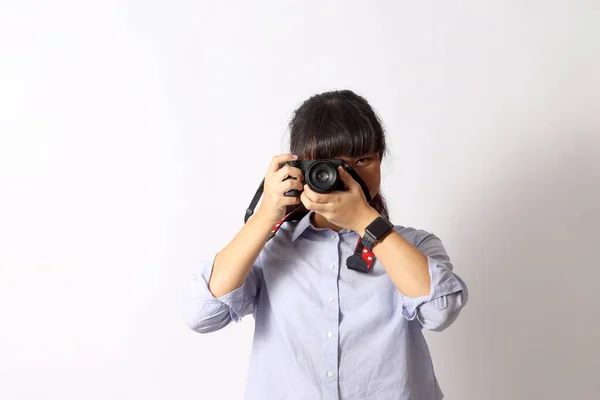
(254, 202)
(363, 257)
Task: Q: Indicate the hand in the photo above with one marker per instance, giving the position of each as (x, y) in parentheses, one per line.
(274, 203)
(347, 209)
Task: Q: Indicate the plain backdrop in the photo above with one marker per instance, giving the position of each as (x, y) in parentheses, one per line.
(134, 134)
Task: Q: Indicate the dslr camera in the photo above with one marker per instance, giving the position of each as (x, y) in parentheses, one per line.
(320, 175)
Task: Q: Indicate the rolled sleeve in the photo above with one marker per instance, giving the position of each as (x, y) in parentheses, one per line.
(448, 292)
(204, 313)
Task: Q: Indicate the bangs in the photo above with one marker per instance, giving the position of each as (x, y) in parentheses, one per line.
(338, 129)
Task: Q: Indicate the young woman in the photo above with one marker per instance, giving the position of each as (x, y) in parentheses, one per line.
(324, 330)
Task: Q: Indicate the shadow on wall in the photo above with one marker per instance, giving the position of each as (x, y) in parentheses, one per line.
(534, 325)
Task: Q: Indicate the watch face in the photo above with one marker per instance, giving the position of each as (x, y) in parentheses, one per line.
(379, 227)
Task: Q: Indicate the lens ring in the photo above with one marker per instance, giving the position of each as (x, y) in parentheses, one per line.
(321, 177)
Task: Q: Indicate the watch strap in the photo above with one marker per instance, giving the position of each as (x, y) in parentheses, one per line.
(374, 232)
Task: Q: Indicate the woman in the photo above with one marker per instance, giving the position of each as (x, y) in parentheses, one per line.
(324, 330)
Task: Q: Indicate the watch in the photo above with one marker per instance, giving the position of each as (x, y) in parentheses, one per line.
(376, 231)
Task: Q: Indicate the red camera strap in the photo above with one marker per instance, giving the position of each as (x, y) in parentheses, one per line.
(366, 254)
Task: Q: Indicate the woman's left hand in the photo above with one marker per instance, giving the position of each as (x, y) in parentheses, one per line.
(347, 209)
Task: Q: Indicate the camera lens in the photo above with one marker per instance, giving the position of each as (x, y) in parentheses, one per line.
(322, 177)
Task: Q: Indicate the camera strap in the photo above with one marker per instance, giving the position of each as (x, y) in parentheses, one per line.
(254, 202)
(363, 257)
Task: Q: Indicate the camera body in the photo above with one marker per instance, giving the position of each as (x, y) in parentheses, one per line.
(320, 175)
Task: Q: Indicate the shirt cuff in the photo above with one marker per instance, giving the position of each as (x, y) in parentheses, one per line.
(443, 282)
(234, 299)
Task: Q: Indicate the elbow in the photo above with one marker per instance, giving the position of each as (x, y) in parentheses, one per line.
(439, 319)
(205, 321)
(200, 326)
(440, 322)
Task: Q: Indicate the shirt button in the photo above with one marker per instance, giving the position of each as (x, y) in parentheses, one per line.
(329, 334)
(333, 237)
(332, 266)
(330, 374)
(332, 299)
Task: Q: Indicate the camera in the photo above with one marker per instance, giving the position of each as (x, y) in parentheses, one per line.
(320, 175)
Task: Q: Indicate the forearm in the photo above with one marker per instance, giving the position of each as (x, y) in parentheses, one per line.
(232, 264)
(407, 267)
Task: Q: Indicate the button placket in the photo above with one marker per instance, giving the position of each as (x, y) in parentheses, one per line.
(329, 286)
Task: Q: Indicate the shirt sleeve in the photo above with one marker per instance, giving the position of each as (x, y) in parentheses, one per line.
(448, 293)
(205, 313)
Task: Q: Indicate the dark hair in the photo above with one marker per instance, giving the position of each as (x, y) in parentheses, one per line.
(338, 123)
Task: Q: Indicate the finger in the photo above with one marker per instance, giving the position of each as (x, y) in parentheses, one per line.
(348, 180)
(289, 184)
(286, 171)
(278, 160)
(320, 198)
(313, 206)
(290, 201)
(306, 201)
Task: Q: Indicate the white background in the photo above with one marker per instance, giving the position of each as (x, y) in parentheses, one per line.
(134, 134)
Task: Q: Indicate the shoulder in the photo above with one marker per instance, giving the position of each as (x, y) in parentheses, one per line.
(283, 237)
(282, 248)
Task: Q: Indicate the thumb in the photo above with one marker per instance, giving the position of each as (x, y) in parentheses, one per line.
(348, 180)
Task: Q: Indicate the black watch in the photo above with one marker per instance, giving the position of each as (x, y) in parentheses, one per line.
(376, 231)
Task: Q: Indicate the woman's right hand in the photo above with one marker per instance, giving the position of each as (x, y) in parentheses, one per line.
(274, 203)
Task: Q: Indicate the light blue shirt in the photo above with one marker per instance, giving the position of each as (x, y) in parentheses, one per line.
(323, 331)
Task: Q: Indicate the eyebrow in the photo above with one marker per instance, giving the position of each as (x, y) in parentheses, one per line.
(370, 154)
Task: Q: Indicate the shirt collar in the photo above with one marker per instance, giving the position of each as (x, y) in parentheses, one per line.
(306, 223)
(302, 225)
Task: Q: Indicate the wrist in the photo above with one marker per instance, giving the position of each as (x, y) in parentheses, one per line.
(266, 217)
(364, 220)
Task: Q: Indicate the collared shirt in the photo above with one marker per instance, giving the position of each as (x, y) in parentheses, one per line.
(323, 331)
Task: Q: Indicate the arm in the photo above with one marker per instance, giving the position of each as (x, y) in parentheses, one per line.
(403, 262)
(422, 272)
(428, 288)
(232, 264)
(226, 288)
(448, 293)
